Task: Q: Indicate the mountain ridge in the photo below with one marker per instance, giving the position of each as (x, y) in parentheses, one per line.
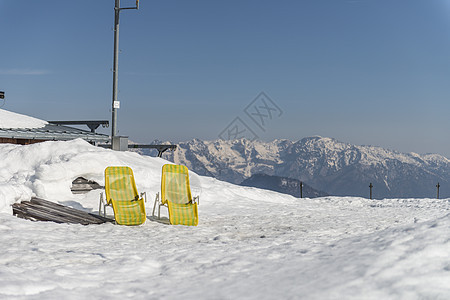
(326, 164)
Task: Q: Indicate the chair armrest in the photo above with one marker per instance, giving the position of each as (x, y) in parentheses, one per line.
(196, 199)
(144, 195)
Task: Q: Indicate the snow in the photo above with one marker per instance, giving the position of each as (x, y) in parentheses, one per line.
(250, 243)
(14, 120)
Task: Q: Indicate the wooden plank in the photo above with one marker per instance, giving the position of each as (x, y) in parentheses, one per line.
(64, 210)
(30, 212)
(67, 210)
(104, 219)
(52, 215)
(81, 186)
(20, 213)
(57, 208)
(43, 210)
(80, 190)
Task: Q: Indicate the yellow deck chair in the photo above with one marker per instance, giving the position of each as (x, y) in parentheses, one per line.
(121, 194)
(176, 195)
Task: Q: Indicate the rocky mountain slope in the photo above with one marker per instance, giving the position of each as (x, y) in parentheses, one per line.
(325, 164)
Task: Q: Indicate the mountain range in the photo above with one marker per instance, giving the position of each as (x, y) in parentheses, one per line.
(326, 164)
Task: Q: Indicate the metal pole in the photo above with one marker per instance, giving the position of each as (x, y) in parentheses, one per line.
(438, 186)
(115, 70)
(370, 186)
(301, 189)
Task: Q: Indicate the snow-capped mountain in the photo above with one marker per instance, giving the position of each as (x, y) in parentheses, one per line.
(325, 164)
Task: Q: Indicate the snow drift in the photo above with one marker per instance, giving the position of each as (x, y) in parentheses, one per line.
(250, 243)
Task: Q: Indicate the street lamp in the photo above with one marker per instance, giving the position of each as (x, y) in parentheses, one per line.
(115, 101)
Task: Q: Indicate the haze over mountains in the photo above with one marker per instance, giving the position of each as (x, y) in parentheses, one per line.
(325, 164)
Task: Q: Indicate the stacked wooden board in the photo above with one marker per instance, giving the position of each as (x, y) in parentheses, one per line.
(81, 186)
(42, 210)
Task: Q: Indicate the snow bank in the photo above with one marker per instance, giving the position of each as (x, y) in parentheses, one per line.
(47, 169)
(13, 120)
(250, 243)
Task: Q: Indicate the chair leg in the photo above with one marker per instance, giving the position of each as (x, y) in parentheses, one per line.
(157, 201)
(100, 204)
(154, 205)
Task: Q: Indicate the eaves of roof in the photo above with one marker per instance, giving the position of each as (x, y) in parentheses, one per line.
(52, 132)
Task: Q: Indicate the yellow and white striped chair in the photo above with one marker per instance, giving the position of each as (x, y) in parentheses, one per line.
(121, 193)
(176, 196)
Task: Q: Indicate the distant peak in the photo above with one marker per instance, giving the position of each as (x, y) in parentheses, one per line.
(318, 138)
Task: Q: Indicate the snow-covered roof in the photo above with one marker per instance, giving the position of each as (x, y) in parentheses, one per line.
(17, 126)
(11, 120)
(52, 132)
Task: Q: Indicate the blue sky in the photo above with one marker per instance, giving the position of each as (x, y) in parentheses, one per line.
(373, 72)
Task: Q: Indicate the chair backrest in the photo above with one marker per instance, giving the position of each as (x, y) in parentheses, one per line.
(175, 184)
(119, 184)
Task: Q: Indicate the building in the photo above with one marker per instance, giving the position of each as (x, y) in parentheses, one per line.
(21, 129)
